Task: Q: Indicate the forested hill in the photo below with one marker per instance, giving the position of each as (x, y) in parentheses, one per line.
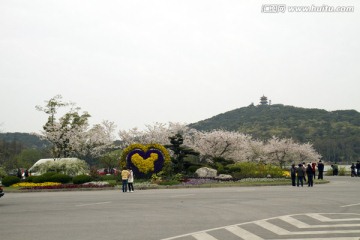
(335, 135)
(27, 140)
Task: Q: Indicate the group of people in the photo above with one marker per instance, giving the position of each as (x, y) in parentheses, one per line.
(355, 169)
(303, 170)
(127, 177)
(20, 174)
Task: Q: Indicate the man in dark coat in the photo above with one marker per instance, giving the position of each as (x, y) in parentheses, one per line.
(293, 174)
(320, 170)
(300, 172)
(310, 173)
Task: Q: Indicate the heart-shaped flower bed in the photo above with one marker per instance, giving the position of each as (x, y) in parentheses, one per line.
(145, 159)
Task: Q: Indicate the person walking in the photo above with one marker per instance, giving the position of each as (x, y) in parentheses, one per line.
(320, 170)
(131, 180)
(300, 173)
(124, 177)
(309, 173)
(313, 166)
(26, 174)
(293, 174)
(19, 173)
(353, 167)
(335, 168)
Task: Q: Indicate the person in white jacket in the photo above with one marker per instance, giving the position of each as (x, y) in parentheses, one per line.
(131, 181)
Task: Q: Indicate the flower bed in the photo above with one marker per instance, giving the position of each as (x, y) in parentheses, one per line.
(31, 185)
(66, 186)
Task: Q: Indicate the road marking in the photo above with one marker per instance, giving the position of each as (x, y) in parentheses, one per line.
(240, 232)
(350, 205)
(265, 224)
(273, 228)
(294, 222)
(280, 231)
(203, 236)
(328, 238)
(322, 218)
(300, 224)
(89, 204)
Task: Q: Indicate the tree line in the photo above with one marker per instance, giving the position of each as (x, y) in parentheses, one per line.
(273, 134)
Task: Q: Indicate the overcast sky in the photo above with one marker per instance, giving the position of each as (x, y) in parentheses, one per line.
(138, 62)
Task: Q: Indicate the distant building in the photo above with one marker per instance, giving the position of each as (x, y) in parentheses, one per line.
(264, 100)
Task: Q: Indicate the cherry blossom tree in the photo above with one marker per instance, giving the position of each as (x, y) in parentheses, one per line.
(157, 133)
(279, 151)
(70, 134)
(306, 153)
(286, 151)
(96, 141)
(220, 144)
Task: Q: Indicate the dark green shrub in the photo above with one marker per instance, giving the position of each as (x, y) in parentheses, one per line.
(46, 177)
(80, 179)
(61, 178)
(10, 180)
(232, 168)
(107, 177)
(192, 169)
(118, 177)
(30, 179)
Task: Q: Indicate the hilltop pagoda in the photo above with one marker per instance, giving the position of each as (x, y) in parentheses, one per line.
(264, 100)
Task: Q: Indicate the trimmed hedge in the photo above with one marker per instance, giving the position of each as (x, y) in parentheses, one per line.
(80, 179)
(61, 178)
(30, 179)
(10, 180)
(46, 177)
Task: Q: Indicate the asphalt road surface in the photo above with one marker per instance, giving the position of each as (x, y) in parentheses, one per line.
(326, 211)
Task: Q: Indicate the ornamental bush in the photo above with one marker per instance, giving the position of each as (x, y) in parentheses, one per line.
(80, 179)
(70, 167)
(61, 178)
(107, 177)
(10, 180)
(254, 170)
(46, 177)
(30, 179)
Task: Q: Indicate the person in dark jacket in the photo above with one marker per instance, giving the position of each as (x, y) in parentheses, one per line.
(313, 166)
(293, 174)
(353, 173)
(320, 170)
(19, 173)
(300, 173)
(358, 168)
(309, 173)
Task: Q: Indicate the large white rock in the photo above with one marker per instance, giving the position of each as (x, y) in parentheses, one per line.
(206, 172)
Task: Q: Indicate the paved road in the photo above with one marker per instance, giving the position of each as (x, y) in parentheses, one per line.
(329, 211)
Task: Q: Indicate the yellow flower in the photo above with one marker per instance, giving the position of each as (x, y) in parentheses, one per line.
(286, 173)
(144, 165)
(29, 184)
